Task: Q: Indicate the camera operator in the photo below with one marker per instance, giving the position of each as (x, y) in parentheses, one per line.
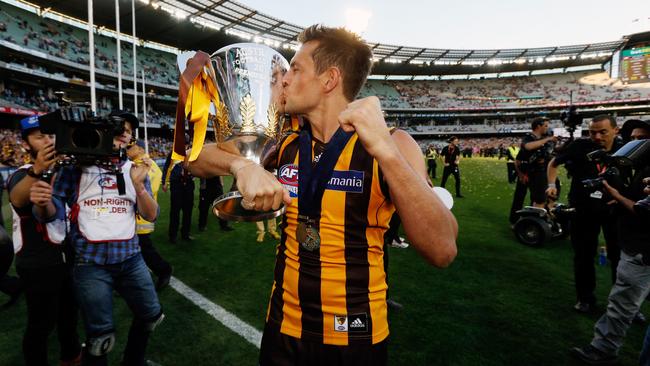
(41, 261)
(103, 234)
(592, 211)
(632, 285)
(536, 148)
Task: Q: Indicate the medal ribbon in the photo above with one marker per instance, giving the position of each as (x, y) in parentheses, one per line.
(196, 91)
(312, 179)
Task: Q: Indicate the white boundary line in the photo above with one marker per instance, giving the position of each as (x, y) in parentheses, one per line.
(222, 315)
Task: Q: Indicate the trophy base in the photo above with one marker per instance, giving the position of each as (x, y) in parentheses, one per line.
(228, 207)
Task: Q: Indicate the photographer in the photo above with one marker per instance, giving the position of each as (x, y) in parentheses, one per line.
(536, 148)
(103, 234)
(633, 279)
(592, 211)
(41, 261)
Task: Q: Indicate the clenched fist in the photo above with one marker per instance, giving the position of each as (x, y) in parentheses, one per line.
(366, 118)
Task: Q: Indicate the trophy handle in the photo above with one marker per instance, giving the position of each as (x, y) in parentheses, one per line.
(228, 207)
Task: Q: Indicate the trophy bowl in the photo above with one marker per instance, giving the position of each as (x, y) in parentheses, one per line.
(248, 119)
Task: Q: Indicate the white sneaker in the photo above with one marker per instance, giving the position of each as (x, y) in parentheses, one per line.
(402, 244)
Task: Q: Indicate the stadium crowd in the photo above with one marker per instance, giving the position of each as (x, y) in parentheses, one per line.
(522, 91)
(70, 43)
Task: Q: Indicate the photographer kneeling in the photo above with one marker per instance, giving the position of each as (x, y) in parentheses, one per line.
(592, 210)
(103, 198)
(633, 275)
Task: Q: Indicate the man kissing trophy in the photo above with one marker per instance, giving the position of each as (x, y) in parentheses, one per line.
(241, 85)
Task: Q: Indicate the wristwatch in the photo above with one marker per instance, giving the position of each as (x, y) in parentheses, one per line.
(32, 173)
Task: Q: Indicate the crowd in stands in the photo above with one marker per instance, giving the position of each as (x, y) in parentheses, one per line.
(458, 128)
(36, 100)
(70, 43)
(11, 152)
(42, 101)
(542, 90)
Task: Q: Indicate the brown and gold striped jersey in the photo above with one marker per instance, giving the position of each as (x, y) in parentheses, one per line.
(335, 294)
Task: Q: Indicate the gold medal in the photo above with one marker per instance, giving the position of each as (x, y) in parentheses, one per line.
(312, 242)
(307, 235)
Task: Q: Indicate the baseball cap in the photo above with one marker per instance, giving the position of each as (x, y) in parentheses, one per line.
(28, 124)
(630, 125)
(129, 117)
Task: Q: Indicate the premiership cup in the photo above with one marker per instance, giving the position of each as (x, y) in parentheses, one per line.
(248, 121)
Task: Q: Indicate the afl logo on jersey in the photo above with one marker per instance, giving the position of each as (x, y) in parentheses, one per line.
(107, 183)
(288, 174)
(288, 177)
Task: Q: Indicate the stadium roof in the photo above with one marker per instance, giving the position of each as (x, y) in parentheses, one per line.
(211, 24)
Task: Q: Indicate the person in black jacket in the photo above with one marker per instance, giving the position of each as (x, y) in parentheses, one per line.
(451, 157)
(592, 211)
(180, 182)
(535, 152)
(632, 284)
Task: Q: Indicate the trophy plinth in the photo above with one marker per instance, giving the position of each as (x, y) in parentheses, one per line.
(228, 207)
(248, 122)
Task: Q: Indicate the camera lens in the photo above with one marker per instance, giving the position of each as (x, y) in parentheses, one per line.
(86, 137)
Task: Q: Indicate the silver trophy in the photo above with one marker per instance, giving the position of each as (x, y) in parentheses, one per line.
(247, 120)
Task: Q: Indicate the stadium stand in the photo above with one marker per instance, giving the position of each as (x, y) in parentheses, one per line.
(69, 43)
(588, 87)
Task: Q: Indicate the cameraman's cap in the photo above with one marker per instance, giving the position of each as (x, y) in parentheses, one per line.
(127, 117)
(28, 124)
(630, 125)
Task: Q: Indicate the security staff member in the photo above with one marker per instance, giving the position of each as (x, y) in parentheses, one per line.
(592, 211)
(181, 186)
(511, 155)
(451, 156)
(535, 151)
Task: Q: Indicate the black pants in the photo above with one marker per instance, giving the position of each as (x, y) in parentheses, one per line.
(182, 199)
(9, 285)
(206, 197)
(431, 164)
(282, 350)
(50, 298)
(585, 228)
(445, 174)
(518, 199)
(512, 173)
(153, 259)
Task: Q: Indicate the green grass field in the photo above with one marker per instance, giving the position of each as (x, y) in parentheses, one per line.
(499, 303)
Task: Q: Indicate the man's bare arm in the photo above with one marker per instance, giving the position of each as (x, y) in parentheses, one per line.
(255, 183)
(429, 225)
(551, 176)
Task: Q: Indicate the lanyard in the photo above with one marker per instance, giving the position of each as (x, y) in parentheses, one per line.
(312, 179)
